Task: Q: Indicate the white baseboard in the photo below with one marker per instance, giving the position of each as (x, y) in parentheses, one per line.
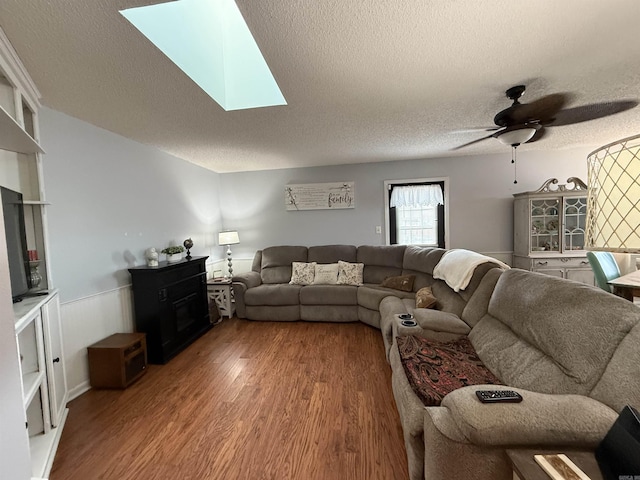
(79, 390)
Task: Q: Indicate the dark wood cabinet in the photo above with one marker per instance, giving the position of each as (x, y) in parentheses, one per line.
(171, 306)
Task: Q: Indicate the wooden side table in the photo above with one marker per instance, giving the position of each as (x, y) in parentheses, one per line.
(221, 292)
(117, 361)
(526, 468)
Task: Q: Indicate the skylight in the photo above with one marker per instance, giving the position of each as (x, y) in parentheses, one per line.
(210, 41)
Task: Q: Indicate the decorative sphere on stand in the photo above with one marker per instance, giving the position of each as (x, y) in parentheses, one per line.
(188, 244)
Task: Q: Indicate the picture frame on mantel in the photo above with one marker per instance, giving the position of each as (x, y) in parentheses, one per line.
(320, 196)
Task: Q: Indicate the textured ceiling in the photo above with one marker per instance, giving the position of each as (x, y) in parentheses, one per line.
(365, 80)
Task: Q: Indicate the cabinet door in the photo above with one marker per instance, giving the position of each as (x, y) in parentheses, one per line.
(574, 224)
(54, 357)
(545, 224)
(34, 387)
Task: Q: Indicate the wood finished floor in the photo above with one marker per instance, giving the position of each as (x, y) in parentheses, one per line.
(248, 400)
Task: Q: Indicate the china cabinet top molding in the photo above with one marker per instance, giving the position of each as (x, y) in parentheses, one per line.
(546, 188)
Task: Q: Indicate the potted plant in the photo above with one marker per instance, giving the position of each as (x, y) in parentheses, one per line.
(173, 253)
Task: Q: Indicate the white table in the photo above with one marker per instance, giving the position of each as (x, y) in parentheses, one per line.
(221, 292)
(626, 285)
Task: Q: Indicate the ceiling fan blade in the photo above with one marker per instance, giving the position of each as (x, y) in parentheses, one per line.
(474, 130)
(474, 141)
(591, 111)
(542, 110)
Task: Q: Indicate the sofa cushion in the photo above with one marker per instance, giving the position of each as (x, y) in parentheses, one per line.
(329, 313)
(624, 364)
(478, 304)
(276, 313)
(332, 253)
(436, 368)
(350, 273)
(458, 265)
(329, 295)
(420, 262)
(425, 298)
(276, 275)
(478, 275)
(400, 282)
(256, 265)
(437, 321)
(276, 262)
(448, 300)
(265, 294)
(302, 273)
(370, 296)
(326, 274)
(380, 261)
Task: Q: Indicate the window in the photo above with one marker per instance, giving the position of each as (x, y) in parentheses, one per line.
(416, 212)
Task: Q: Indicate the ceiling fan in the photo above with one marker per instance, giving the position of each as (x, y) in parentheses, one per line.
(527, 122)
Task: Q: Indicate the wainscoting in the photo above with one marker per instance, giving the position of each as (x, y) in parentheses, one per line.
(90, 319)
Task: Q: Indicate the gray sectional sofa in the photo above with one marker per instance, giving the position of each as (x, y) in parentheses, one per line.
(265, 292)
(571, 350)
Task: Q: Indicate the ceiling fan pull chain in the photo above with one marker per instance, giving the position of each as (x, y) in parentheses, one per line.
(513, 160)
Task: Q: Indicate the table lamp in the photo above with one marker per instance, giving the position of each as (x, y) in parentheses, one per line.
(228, 238)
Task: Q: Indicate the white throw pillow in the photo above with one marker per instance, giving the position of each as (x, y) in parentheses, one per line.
(302, 273)
(326, 274)
(350, 273)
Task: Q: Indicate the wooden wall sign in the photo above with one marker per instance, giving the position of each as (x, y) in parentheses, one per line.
(319, 196)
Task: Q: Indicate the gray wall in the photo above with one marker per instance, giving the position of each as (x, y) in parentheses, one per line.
(112, 198)
(480, 199)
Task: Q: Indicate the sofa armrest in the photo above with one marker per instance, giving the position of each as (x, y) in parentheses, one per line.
(249, 279)
(540, 419)
(241, 283)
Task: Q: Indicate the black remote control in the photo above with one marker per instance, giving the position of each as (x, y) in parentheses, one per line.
(496, 396)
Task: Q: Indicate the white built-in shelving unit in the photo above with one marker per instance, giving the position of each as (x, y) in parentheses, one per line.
(38, 326)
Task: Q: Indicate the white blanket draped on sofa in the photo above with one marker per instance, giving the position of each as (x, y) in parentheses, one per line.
(457, 265)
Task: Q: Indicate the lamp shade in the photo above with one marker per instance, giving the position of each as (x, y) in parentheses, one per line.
(613, 203)
(228, 238)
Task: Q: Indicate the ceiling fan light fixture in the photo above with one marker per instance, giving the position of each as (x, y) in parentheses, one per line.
(517, 136)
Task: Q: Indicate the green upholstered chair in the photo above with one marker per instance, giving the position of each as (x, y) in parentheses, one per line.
(604, 267)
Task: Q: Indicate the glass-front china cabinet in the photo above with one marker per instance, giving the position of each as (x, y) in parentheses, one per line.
(549, 230)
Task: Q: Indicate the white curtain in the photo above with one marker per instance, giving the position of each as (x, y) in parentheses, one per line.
(417, 196)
